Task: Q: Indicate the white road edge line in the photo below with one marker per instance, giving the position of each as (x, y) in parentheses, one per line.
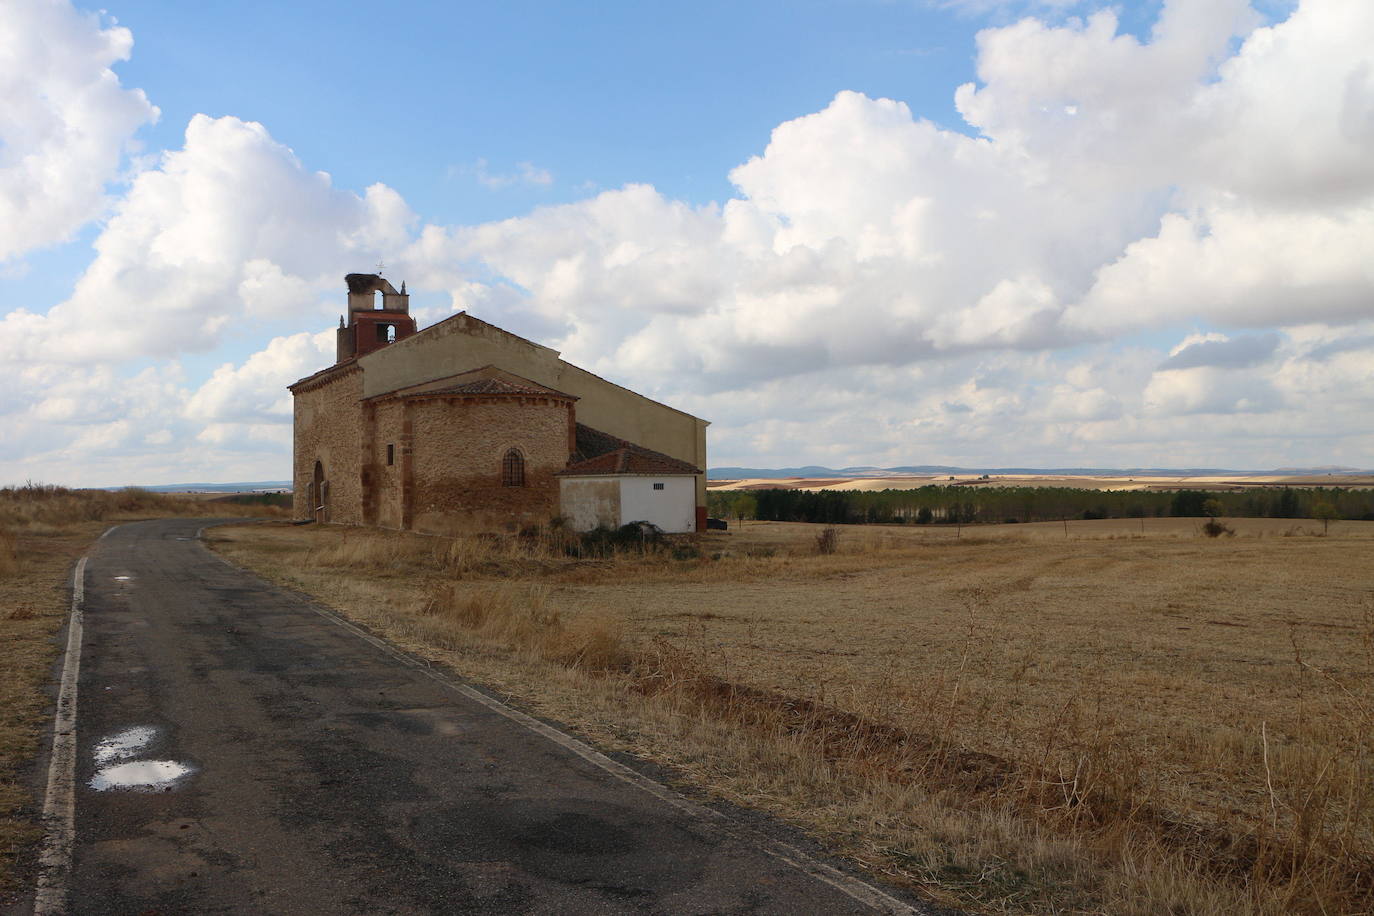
(59, 801)
(861, 891)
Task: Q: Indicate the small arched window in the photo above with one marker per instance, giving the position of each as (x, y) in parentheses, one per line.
(513, 469)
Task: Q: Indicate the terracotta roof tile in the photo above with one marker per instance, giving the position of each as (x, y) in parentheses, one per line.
(602, 453)
(482, 382)
(593, 442)
(493, 386)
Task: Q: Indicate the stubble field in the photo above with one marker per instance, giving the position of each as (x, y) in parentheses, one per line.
(1021, 718)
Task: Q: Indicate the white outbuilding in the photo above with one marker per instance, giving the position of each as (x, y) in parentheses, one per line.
(628, 483)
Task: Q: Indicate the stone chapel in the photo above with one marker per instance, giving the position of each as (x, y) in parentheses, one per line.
(462, 426)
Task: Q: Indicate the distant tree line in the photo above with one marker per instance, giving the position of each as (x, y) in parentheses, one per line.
(947, 505)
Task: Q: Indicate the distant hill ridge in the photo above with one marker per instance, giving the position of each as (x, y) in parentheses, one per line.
(811, 470)
(245, 487)
(923, 470)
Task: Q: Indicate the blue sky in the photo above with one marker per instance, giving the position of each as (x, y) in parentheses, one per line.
(718, 203)
(420, 95)
(601, 94)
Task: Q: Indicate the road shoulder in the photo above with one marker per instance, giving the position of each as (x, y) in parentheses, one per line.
(34, 609)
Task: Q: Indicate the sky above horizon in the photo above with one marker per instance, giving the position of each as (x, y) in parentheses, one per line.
(847, 232)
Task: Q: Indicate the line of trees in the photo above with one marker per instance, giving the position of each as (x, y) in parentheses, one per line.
(973, 504)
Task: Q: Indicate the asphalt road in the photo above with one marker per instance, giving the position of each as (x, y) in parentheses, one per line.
(238, 752)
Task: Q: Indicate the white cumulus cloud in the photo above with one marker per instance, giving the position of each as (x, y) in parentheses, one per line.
(255, 391)
(1125, 234)
(65, 122)
(230, 224)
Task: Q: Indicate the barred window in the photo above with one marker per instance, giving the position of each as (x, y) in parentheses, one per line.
(513, 469)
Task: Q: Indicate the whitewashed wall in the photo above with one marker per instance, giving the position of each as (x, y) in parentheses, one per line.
(589, 502)
(673, 508)
(613, 500)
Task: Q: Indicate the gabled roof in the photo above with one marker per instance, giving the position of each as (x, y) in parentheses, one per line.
(464, 318)
(600, 453)
(327, 374)
(491, 386)
(486, 381)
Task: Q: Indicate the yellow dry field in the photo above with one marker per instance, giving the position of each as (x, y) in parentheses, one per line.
(908, 482)
(1017, 719)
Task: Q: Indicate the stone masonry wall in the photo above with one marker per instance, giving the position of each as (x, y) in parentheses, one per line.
(453, 470)
(388, 422)
(328, 429)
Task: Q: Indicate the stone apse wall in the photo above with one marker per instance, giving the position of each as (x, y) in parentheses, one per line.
(446, 474)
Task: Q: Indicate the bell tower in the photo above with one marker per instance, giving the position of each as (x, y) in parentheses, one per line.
(377, 315)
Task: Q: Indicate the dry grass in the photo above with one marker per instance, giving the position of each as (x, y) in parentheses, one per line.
(9, 553)
(41, 509)
(43, 530)
(1017, 721)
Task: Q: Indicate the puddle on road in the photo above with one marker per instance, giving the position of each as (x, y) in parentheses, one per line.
(115, 769)
(125, 744)
(139, 774)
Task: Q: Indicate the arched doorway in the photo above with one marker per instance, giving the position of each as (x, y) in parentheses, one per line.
(319, 490)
